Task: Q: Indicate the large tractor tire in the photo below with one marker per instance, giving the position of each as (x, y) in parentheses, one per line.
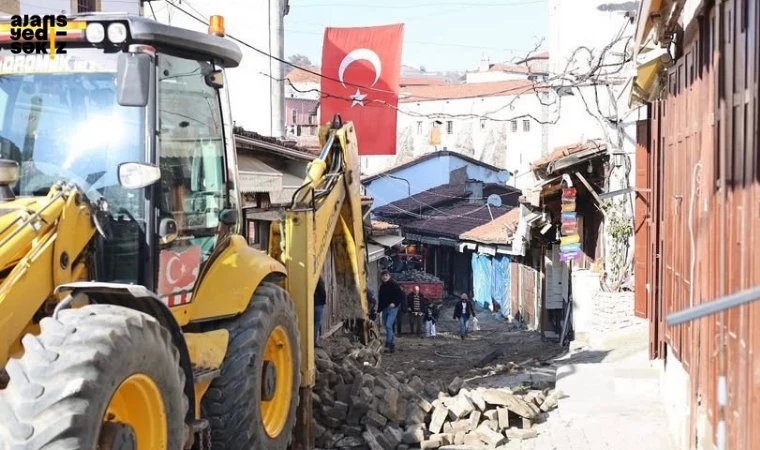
(252, 404)
(97, 378)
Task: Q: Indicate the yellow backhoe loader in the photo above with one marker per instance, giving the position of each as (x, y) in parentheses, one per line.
(133, 314)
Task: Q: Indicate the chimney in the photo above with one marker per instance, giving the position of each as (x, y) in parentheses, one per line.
(485, 63)
(475, 187)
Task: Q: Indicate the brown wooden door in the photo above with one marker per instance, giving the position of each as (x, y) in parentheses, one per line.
(641, 220)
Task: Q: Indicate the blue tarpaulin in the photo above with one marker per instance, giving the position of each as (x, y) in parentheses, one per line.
(500, 287)
(491, 282)
(481, 280)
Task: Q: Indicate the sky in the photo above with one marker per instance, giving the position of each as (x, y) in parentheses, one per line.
(440, 35)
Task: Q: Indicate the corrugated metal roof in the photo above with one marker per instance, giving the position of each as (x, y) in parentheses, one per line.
(247, 163)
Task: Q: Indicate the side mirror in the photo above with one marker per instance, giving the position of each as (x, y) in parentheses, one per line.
(133, 175)
(133, 79)
(167, 231)
(228, 217)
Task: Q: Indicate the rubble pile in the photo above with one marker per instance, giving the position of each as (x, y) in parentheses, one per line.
(359, 406)
(419, 276)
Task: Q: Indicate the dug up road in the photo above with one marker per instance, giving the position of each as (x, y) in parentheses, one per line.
(497, 348)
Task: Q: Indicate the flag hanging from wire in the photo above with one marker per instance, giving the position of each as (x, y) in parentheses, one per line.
(361, 67)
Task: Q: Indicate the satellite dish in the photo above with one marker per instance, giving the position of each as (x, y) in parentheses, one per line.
(494, 200)
(504, 176)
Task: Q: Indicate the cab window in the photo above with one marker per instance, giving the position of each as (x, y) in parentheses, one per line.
(191, 156)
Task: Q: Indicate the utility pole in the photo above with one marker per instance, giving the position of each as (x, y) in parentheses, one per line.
(277, 11)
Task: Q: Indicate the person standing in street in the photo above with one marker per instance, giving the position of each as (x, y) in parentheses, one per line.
(463, 311)
(390, 300)
(417, 308)
(320, 299)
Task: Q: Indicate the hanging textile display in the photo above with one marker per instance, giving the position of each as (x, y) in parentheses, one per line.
(570, 241)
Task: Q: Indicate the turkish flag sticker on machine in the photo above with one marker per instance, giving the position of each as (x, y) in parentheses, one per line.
(360, 81)
(178, 271)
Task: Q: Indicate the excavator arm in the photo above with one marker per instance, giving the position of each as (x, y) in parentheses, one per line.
(326, 213)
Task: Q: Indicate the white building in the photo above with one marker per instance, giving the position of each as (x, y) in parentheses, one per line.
(256, 89)
(497, 123)
(533, 68)
(503, 122)
(10, 7)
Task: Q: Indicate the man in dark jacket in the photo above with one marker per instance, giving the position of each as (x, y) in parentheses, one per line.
(390, 298)
(463, 311)
(320, 299)
(417, 304)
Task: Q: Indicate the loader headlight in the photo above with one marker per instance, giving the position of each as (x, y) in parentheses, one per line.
(117, 33)
(95, 33)
(9, 172)
(134, 175)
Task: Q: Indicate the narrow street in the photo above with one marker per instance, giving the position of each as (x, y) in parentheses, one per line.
(446, 356)
(603, 397)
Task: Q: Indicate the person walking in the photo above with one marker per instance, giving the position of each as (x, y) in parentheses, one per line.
(390, 299)
(320, 299)
(463, 311)
(417, 307)
(431, 317)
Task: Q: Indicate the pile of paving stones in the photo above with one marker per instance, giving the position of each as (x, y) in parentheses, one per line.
(359, 406)
(419, 276)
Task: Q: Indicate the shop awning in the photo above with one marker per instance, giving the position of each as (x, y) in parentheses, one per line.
(387, 240)
(648, 65)
(375, 252)
(256, 176)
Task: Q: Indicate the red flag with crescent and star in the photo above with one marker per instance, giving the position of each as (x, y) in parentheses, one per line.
(178, 270)
(361, 67)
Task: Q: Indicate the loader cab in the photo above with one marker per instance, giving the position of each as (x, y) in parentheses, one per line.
(136, 113)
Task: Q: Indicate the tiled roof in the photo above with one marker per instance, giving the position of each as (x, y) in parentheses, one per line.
(500, 67)
(274, 143)
(421, 81)
(457, 220)
(561, 152)
(301, 76)
(498, 231)
(423, 201)
(469, 90)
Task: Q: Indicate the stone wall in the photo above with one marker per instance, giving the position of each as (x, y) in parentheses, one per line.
(612, 311)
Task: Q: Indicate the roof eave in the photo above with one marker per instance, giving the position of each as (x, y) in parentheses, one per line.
(282, 150)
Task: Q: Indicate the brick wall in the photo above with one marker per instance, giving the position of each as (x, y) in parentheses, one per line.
(612, 311)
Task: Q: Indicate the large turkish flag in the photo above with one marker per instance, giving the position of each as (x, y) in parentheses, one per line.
(360, 80)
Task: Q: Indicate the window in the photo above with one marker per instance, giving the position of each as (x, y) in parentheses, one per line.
(513, 124)
(449, 127)
(526, 125)
(69, 126)
(419, 127)
(311, 119)
(84, 6)
(295, 116)
(191, 157)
